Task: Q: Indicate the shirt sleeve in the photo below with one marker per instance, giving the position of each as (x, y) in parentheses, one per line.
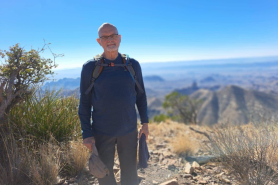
(84, 109)
(141, 98)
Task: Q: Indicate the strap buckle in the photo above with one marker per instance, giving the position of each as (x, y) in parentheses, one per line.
(111, 64)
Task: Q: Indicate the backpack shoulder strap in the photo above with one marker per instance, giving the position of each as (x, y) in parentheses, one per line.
(129, 67)
(96, 72)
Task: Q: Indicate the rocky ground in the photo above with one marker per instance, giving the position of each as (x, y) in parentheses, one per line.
(165, 167)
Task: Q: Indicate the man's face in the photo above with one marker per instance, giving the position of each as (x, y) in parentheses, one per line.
(111, 43)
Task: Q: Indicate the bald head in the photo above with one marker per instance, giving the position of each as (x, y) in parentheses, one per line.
(106, 26)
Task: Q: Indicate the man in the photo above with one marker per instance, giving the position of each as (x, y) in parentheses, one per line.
(113, 98)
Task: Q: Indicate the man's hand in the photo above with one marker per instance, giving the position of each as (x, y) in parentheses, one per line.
(144, 129)
(88, 142)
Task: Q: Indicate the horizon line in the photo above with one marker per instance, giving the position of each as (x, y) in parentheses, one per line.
(194, 60)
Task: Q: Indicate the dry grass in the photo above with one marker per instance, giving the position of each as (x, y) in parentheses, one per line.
(75, 158)
(249, 151)
(40, 140)
(45, 169)
(184, 145)
(12, 161)
(23, 164)
(182, 140)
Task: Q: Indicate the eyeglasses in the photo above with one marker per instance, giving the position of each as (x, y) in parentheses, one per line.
(113, 36)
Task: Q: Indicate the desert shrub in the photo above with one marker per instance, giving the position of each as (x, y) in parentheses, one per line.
(74, 158)
(13, 168)
(20, 71)
(184, 145)
(160, 118)
(24, 163)
(48, 114)
(182, 107)
(249, 152)
(45, 166)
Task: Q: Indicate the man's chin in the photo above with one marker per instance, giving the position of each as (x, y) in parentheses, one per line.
(112, 49)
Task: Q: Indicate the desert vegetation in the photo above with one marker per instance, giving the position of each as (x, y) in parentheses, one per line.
(40, 136)
(180, 108)
(248, 151)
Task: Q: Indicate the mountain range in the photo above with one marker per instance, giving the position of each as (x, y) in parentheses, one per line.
(231, 89)
(234, 104)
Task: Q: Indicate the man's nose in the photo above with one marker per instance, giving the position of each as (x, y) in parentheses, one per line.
(110, 37)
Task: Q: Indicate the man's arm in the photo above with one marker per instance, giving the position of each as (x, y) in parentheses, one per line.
(141, 101)
(84, 109)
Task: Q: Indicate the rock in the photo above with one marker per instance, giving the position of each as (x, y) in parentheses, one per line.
(117, 162)
(155, 153)
(219, 175)
(60, 181)
(180, 160)
(141, 176)
(172, 162)
(154, 182)
(202, 182)
(156, 159)
(225, 180)
(118, 182)
(65, 183)
(195, 165)
(186, 175)
(200, 159)
(160, 146)
(165, 161)
(161, 157)
(116, 169)
(167, 154)
(170, 182)
(188, 168)
(171, 167)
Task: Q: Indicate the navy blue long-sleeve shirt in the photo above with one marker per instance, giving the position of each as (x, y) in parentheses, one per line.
(111, 104)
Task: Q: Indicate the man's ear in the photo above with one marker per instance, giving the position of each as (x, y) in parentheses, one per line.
(98, 40)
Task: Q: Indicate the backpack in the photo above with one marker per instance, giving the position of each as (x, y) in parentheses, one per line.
(100, 64)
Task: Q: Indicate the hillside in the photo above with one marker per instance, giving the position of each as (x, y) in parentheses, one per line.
(233, 103)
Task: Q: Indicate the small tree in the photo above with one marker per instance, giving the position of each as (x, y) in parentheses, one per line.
(182, 107)
(19, 72)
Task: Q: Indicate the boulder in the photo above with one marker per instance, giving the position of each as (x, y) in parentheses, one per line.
(188, 168)
(170, 182)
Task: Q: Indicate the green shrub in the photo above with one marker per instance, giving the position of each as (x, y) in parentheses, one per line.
(160, 118)
(45, 115)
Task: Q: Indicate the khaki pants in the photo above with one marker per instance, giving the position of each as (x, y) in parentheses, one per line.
(127, 152)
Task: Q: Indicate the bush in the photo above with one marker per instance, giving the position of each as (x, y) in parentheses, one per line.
(46, 166)
(45, 115)
(75, 158)
(182, 107)
(183, 145)
(160, 118)
(249, 152)
(20, 71)
(21, 163)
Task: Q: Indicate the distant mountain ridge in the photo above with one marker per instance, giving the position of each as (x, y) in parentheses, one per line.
(65, 83)
(71, 84)
(154, 78)
(233, 104)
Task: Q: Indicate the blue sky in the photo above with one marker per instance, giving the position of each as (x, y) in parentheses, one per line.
(152, 30)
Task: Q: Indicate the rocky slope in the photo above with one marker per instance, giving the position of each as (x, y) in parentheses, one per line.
(165, 166)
